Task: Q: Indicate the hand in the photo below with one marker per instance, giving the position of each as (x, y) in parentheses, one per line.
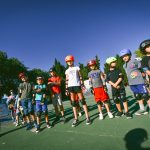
(38, 90)
(105, 88)
(51, 83)
(67, 93)
(92, 91)
(83, 88)
(33, 101)
(118, 87)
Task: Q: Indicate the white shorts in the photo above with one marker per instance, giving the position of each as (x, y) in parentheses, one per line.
(57, 100)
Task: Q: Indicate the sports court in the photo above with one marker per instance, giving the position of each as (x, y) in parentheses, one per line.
(108, 134)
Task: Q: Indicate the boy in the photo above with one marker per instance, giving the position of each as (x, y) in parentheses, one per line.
(19, 112)
(115, 78)
(74, 84)
(145, 49)
(25, 98)
(135, 79)
(41, 102)
(55, 82)
(98, 88)
(10, 102)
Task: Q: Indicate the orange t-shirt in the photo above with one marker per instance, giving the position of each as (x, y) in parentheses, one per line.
(55, 88)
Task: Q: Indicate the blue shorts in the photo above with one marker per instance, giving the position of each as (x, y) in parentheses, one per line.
(140, 88)
(41, 108)
(27, 105)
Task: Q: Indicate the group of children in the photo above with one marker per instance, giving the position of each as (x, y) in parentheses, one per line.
(29, 95)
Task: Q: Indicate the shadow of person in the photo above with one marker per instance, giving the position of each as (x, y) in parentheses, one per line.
(135, 138)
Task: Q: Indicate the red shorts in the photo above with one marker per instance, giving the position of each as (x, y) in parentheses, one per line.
(100, 94)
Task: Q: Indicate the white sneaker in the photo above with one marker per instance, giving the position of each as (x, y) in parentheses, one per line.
(110, 115)
(80, 114)
(101, 116)
(17, 124)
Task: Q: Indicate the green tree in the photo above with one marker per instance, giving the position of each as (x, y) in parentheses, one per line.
(84, 71)
(138, 53)
(34, 73)
(97, 62)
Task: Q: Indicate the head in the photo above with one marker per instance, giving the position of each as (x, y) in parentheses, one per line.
(145, 47)
(23, 77)
(69, 60)
(125, 54)
(111, 61)
(40, 80)
(52, 72)
(92, 64)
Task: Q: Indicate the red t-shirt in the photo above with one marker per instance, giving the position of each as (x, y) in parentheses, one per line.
(55, 88)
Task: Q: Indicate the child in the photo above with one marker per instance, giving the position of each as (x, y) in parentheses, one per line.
(55, 82)
(145, 49)
(98, 88)
(135, 79)
(74, 85)
(41, 102)
(19, 112)
(10, 102)
(25, 99)
(115, 78)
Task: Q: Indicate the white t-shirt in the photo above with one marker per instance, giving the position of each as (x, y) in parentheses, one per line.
(73, 76)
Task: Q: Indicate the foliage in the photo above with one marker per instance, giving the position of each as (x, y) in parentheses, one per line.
(138, 53)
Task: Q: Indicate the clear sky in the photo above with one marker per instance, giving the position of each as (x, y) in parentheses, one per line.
(38, 31)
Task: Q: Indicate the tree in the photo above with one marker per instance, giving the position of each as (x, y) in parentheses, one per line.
(138, 53)
(84, 71)
(97, 61)
(10, 68)
(34, 73)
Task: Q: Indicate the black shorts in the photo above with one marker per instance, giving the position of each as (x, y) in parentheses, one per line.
(119, 94)
(75, 89)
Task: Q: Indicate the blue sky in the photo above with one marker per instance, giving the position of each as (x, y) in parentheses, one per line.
(38, 31)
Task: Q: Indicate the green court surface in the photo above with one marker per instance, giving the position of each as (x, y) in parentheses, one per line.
(109, 134)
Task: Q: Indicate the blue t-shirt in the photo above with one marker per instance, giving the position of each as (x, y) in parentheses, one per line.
(39, 95)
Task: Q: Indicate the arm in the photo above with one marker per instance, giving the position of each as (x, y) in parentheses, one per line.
(148, 72)
(102, 76)
(67, 78)
(81, 79)
(116, 85)
(91, 87)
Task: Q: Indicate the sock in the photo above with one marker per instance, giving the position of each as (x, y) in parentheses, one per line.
(141, 106)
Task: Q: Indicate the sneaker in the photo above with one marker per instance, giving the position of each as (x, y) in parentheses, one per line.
(80, 114)
(88, 121)
(17, 124)
(37, 129)
(110, 115)
(28, 126)
(23, 122)
(63, 120)
(35, 125)
(48, 125)
(141, 112)
(56, 119)
(128, 115)
(75, 122)
(119, 114)
(101, 116)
